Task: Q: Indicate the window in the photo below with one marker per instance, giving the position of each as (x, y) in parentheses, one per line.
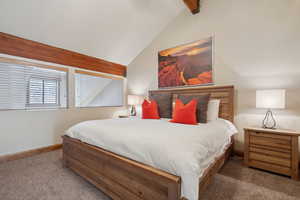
(43, 92)
(25, 86)
(96, 90)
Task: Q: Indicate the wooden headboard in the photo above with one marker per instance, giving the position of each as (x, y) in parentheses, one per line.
(224, 93)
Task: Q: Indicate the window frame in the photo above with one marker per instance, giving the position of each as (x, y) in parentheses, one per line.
(100, 75)
(42, 66)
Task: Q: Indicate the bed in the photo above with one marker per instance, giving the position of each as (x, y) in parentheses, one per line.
(126, 162)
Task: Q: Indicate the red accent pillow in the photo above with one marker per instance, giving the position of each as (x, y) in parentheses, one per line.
(150, 110)
(185, 114)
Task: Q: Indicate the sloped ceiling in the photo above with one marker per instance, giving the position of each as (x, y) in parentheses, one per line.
(112, 30)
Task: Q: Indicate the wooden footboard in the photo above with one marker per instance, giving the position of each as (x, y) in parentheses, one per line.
(119, 177)
(122, 178)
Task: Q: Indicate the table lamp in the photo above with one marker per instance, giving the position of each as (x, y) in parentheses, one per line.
(134, 100)
(270, 99)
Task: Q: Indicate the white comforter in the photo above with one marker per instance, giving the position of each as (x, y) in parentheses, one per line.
(182, 150)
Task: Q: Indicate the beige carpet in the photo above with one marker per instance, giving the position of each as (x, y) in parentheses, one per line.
(43, 178)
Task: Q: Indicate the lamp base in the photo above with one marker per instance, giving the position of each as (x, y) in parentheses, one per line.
(132, 111)
(269, 121)
(269, 128)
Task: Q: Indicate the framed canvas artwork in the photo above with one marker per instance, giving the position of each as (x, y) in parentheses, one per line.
(186, 65)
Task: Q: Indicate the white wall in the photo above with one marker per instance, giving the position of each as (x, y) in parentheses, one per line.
(22, 130)
(112, 30)
(256, 47)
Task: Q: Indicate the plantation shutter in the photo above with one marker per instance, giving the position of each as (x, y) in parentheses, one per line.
(28, 87)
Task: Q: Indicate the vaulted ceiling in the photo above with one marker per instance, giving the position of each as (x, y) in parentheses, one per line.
(255, 45)
(113, 30)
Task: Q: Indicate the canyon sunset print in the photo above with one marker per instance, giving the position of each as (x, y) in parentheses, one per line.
(186, 65)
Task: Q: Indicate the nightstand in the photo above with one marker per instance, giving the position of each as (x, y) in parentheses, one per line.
(272, 150)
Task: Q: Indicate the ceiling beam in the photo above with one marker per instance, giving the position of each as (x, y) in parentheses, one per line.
(16, 46)
(193, 5)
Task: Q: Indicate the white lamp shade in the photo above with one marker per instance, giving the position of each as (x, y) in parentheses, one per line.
(271, 99)
(134, 99)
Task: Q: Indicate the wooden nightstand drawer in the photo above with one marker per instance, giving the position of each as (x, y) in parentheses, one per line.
(268, 141)
(270, 167)
(287, 151)
(270, 159)
(270, 151)
(268, 135)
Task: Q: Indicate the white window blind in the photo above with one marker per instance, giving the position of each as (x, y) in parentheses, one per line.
(28, 87)
(98, 91)
(43, 91)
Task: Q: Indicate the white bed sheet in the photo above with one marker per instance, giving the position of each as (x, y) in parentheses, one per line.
(182, 150)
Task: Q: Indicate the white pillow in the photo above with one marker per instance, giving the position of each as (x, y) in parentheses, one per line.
(213, 109)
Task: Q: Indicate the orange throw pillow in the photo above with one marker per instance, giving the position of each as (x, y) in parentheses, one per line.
(150, 110)
(185, 114)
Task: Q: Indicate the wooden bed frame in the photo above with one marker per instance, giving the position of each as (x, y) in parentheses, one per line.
(126, 179)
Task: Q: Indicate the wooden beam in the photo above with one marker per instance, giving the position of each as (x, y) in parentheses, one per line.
(193, 5)
(17, 46)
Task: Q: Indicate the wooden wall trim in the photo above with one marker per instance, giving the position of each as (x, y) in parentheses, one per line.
(16, 46)
(29, 153)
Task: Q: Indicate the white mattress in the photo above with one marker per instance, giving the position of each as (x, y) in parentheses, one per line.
(182, 150)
